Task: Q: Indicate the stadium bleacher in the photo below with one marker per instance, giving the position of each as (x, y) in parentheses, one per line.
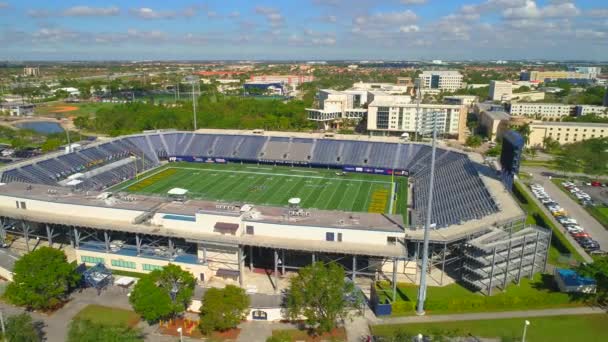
(461, 194)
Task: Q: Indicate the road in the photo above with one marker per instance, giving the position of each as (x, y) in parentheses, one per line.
(574, 210)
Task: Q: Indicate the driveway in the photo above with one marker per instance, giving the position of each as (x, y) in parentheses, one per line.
(574, 210)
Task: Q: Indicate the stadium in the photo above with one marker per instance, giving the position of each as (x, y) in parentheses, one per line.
(234, 205)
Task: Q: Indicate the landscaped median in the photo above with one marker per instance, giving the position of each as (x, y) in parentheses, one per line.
(552, 328)
(540, 292)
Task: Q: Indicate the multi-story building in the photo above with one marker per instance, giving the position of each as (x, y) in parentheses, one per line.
(390, 116)
(500, 90)
(542, 110)
(601, 111)
(448, 80)
(493, 121)
(292, 80)
(336, 106)
(389, 88)
(542, 76)
(593, 72)
(31, 71)
(565, 132)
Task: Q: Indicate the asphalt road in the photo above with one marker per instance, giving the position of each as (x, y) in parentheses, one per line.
(574, 210)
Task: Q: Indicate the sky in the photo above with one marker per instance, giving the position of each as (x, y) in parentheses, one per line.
(304, 29)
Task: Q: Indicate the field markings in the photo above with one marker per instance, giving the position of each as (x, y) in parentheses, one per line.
(282, 174)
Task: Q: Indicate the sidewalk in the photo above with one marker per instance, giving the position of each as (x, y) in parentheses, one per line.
(489, 315)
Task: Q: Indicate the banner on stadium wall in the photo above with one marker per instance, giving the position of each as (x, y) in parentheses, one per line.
(376, 170)
(191, 159)
(283, 162)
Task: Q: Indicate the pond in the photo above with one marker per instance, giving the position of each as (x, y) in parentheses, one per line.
(43, 127)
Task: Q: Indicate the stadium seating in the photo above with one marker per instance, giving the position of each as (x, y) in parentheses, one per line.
(460, 193)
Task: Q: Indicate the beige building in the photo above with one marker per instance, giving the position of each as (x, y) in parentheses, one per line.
(601, 111)
(542, 110)
(31, 71)
(494, 123)
(541, 76)
(500, 91)
(565, 132)
(464, 100)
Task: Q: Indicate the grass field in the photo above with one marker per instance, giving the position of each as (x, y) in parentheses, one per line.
(554, 329)
(108, 316)
(540, 292)
(274, 185)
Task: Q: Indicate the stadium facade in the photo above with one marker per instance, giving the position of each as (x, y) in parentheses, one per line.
(64, 195)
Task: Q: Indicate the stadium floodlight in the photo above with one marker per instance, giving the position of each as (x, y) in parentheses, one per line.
(194, 80)
(427, 226)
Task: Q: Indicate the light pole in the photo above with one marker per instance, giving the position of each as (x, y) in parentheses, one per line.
(181, 335)
(2, 323)
(427, 227)
(194, 103)
(523, 337)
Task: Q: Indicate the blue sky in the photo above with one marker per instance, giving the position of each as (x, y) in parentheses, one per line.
(304, 29)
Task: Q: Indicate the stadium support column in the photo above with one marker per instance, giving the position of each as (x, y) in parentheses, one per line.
(549, 244)
(534, 256)
(76, 238)
(504, 280)
(106, 239)
(492, 272)
(521, 260)
(394, 279)
(138, 244)
(427, 226)
(49, 235)
(2, 233)
(171, 249)
(313, 258)
(354, 274)
(445, 246)
(26, 235)
(240, 256)
(251, 258)
(282, 262)
(276, 271)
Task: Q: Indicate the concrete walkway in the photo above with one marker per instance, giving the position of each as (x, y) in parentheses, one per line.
(490, 315)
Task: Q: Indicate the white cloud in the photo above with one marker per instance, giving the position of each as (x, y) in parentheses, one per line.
(83, 11)
(553, 10)
(148, 13)
(409, 29)
(273, 16)
(386, 18)
(413, 2)
(35, 13)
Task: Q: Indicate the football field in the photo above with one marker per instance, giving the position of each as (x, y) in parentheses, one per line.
(274, 185)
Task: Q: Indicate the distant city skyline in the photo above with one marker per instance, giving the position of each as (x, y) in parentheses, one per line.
(304, 30)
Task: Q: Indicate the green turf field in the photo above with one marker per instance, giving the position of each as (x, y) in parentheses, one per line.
(274, 185)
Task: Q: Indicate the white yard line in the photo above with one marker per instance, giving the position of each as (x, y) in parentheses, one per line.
(390, 207)
(280, 174)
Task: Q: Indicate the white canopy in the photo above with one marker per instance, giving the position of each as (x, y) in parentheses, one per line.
(177, 192)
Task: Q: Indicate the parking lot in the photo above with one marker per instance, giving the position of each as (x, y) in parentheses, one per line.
(589, 233)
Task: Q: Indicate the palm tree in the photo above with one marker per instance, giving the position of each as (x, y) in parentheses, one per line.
(524, 130)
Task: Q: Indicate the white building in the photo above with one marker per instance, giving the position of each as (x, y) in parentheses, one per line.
(17, 108)
(593, 72)
(386, 116)
(389, 88)
(70, 90)
(528, 96)
(31, 71)
(449, 80)
(500, 91)
(589, 109)
(335, 106)
(541, 110)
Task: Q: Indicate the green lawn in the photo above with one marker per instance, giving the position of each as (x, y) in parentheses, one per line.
(108, 315)
(539, 292)
(555, 329)
(274, 185)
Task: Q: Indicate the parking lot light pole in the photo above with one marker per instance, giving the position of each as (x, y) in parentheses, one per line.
(181, 335)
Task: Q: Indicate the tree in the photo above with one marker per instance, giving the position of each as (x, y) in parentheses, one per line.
(321, 293)
(21, 328)
(567, 163)
(223, 309)
(597, 270)
(42, 279)
(51, 144)
(163, 293)
(86, 331)
(473, 141)
(550, 145)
